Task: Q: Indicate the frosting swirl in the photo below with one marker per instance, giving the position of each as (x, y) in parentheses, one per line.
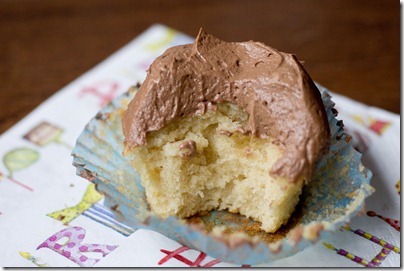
(281, 99)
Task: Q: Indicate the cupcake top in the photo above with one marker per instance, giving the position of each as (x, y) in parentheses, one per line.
(281, 99)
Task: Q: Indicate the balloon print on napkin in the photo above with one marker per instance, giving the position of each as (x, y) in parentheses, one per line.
(19, 159)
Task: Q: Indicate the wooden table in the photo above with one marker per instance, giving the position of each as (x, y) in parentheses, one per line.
(351, 47)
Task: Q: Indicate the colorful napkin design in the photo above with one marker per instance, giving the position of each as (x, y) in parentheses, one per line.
(51, 217)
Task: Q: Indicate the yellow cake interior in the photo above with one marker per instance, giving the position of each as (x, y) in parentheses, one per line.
(228, 170)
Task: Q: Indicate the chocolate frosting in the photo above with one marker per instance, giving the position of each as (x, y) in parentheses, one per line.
(281, 99)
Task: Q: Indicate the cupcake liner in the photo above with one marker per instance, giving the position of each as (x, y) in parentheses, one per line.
(335, 194)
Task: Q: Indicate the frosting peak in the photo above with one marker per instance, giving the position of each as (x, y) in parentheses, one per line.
(281, 99)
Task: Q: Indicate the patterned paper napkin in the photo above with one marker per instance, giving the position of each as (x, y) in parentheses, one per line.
(51, 217)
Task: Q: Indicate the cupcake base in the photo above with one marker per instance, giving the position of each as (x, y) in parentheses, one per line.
(335, 194)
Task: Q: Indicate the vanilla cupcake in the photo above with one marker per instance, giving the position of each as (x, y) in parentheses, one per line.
(226, 126)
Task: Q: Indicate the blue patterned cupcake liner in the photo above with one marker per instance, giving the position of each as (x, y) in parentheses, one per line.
(335, 194)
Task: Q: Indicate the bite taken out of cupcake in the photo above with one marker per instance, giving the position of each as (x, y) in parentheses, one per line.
(226, 126)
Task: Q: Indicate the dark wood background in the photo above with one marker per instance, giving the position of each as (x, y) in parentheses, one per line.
(351, 47)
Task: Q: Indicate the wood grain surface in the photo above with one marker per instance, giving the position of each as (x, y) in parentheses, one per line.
(351, 47)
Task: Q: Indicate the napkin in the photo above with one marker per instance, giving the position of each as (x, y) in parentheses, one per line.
(51, 217)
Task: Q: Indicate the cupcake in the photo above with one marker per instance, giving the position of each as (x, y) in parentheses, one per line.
(226, 126)
(223, 144)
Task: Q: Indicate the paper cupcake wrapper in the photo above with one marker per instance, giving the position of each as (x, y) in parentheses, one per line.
(335, 194)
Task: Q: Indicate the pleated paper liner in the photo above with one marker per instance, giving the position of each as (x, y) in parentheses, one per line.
(335, 194)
